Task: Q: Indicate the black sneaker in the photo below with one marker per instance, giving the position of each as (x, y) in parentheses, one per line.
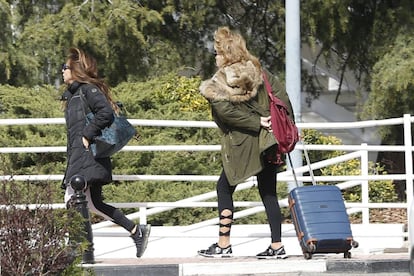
(141, 238)
(215, 251)
(271, 253)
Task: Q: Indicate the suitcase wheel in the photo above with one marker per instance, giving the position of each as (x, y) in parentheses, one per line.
(311, 247)
(347, 255)
(307, 255)
(354, 244)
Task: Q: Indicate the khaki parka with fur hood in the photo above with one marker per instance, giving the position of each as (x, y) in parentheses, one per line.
(238, 99)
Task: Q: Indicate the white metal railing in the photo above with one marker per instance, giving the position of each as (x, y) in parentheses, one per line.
(345, 181)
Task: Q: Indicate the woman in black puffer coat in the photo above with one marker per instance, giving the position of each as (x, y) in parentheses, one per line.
(85, 91)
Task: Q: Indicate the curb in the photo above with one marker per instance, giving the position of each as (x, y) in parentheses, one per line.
(369, 266)
(137, 270)
(250, 266)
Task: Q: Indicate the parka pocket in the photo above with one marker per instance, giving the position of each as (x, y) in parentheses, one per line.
(237, 138)
(238, 144)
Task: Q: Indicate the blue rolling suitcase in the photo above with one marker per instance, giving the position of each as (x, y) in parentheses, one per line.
(320, 219)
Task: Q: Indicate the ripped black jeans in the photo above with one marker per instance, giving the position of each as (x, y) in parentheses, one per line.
(267, 189)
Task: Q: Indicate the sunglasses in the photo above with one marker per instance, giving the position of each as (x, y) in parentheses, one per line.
(65, 66)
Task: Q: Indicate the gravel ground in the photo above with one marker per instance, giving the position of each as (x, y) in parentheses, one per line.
(389, 215)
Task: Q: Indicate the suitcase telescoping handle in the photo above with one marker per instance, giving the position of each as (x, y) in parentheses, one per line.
(307, 161)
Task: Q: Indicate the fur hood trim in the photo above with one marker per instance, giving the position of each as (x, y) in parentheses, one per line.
(235, 83)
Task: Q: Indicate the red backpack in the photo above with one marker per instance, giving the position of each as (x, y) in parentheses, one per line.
(284, 129)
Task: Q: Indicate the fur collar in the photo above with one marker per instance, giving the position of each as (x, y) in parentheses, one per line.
(235, 83)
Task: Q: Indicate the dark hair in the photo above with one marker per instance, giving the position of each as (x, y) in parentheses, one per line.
(84, 69)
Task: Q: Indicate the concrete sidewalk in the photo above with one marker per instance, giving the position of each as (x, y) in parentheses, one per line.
(172, 251)
(326, 264)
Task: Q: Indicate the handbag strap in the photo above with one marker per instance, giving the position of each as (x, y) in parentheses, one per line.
(84, 105)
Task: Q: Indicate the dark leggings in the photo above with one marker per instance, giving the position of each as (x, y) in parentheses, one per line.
(267, 189)
(115, 214)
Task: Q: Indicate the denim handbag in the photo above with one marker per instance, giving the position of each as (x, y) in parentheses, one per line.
(112, 138)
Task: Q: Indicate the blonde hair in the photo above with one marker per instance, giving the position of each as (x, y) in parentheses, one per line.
(232, 46)
(84, 69)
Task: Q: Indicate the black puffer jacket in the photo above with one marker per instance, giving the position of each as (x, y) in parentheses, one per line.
(79, 159)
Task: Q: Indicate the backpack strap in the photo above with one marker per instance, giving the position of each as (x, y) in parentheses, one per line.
(272, 97)
(267, 85)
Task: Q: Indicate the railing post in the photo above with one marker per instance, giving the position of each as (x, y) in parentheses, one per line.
(364, 184)
(143, 215)
(409, 182)
(79, 184)
(408, 160)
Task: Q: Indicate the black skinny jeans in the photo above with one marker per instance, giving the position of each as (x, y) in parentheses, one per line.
(115, 214)
(267, 189)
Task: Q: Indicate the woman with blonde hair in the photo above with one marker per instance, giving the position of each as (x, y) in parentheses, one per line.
(86, 91)
(240, 108)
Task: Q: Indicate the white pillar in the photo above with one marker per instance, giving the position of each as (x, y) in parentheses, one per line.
(293, 68)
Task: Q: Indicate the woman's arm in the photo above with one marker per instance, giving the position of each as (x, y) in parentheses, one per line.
(234, 116)
(102, 110)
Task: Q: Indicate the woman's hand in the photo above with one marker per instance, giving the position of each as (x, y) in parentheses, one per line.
(85, 142)
(266, 123)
